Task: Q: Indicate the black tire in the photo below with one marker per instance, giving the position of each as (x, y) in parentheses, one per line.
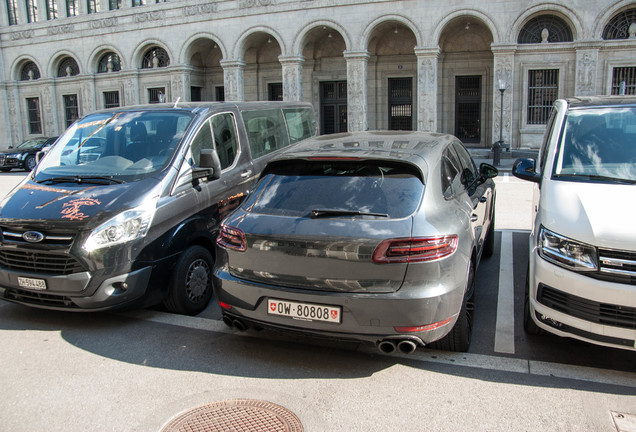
(458, 340)
(30, 163)
(191, 285)
(529, 325)
(489, 243)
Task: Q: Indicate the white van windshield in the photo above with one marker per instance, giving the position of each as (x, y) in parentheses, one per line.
(599, 145)
(124, 146)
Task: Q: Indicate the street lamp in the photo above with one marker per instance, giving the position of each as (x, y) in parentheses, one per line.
(499, 144)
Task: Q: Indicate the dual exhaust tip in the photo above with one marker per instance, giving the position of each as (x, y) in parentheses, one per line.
(389, 346)
(386, 346)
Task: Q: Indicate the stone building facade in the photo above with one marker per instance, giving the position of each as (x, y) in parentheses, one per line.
(375, 64)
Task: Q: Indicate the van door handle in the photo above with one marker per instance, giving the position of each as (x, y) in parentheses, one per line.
(474, 217)
(246, 174)
(483, 199)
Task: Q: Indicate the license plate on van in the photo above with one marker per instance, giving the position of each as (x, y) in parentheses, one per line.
(304, 311)
(30, 283)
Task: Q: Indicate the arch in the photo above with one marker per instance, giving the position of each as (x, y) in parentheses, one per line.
(545, 28)
(566, 14)
(367, 34)
(238, 51)
(98, 53)
(620, 26)
(186, 50)
(607, 14)
(58, 58)
(143, 47)
(439, 28)
(19, 63)
(301, 37)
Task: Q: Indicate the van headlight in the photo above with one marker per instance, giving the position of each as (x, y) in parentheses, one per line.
(126, 226)
(566, 252)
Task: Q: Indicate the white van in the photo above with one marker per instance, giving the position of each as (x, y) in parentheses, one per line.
(582, 267)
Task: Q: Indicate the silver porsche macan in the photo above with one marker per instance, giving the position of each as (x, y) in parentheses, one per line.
(369, 236)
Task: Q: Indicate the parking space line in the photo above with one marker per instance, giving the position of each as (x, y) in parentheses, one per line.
(505, 327)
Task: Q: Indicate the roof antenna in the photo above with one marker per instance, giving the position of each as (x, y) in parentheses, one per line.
(175, 104)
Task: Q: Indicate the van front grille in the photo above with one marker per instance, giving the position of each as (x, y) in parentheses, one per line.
(39, 262)
(38, 298)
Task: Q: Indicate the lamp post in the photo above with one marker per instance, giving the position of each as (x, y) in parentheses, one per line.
(499, 144)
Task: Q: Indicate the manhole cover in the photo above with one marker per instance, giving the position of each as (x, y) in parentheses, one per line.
(236, 416)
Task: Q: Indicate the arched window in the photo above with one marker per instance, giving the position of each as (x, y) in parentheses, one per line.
(68, 67)
(545, 28)
(154, 58)
(109, 62)
(29, 72)
(618, 27)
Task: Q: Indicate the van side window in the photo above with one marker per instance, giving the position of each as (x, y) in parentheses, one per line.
(546, 142)
(224, 132)
(202, 140)
(300, 123)
(266, 131)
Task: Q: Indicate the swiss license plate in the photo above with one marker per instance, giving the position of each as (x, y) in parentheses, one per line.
(304, 311)
(30, 283)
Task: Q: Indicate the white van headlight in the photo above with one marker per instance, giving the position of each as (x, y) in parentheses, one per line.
(126, 226)
(566, 252)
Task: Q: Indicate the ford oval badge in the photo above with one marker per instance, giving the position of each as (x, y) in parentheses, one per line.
(33, 236)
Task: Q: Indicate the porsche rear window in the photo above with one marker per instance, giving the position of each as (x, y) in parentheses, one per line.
(298, 188)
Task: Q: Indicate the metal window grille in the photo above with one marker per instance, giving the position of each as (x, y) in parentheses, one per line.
(275, 91)
(35, 120)
(157, 95)
(543, 90)
(111, 99)
(71, 109)
(112, 58)
(114, 4)
(29, 72)
(92, 6)
(624, 80)
(532, 31)
(12, 12)
(68, 67)
(220, 93)
(618, 25)
(333, 107)
(401, 103)
(51, 9)
(71, 8)
(32, 11)
(155, 57)
(468, 108)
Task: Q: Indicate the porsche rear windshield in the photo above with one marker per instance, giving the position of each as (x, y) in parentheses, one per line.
(337, 188)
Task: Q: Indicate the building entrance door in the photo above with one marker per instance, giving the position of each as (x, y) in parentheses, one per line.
(333, 107)
(468, 108)
(400, 103)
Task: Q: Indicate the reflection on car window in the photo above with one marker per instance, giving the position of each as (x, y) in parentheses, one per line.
(129, 144)
(451, 179)
(598, 144)
(226, 143)
(297, 188)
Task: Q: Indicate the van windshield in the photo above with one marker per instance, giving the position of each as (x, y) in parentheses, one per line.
(598, 145)
(125, 146)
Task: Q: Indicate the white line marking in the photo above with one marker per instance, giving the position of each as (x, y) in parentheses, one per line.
(505, 328)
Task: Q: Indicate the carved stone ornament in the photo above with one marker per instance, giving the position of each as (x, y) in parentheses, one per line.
(150, 16)
(103, 23)
(244, 4)
(25, 34)
(63, 29)
(200, 9)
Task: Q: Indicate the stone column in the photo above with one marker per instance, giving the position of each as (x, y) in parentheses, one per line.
(357, 106)
(233, 80)
(292, 77)
(503, 68)
(427, 88)
(586, 72)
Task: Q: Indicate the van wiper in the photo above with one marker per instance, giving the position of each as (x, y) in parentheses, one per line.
(103, 180)
(599, 178)
(336, 212)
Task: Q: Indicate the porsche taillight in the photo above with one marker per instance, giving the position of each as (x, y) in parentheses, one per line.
(231, 238)
(414, 249)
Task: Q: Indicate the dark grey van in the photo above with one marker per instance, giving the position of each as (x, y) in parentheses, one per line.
(125, 208)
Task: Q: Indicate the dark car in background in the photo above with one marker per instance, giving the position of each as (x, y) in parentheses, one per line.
(24, 155)
(370, 236)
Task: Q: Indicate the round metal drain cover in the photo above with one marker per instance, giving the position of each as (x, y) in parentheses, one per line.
(236, 415)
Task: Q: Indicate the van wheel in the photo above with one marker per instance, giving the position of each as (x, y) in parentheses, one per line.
(29, 163)
(458, 340)
(191, 286)
(529, 325)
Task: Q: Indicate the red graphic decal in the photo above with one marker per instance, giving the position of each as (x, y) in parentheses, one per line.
(334, 314)
(71, 209)
(272, 307)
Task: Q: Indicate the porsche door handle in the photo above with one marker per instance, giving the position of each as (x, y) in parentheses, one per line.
(246, 174)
